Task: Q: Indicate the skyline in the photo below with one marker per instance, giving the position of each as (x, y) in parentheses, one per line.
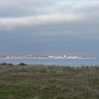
(54, 27)
(43, 57)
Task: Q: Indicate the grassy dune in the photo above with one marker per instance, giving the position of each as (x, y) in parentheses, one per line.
(48, 82)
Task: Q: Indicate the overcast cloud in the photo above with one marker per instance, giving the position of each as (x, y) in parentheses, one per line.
(55, 27)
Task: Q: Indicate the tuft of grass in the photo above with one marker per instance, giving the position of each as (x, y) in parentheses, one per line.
(48, 82)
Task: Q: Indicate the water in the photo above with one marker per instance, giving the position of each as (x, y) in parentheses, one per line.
(61, 62)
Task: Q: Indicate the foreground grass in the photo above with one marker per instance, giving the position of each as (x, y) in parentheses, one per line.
(48, 82)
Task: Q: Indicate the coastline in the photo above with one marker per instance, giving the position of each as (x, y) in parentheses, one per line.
(42, 57)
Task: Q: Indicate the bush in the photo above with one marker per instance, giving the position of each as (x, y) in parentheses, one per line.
(10, 64)
(22, 64)
(3, 63)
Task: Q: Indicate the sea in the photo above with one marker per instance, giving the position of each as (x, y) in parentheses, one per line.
(59, 62)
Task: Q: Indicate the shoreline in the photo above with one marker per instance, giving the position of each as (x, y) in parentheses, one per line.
(47, 58)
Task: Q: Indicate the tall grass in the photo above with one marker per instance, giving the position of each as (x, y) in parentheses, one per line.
(48, 82)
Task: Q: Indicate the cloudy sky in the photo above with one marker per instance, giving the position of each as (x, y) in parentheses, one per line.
(49, 27)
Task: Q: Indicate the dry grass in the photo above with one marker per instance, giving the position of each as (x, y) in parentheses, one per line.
(48, 82)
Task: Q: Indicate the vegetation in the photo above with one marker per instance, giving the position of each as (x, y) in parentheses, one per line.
(48, 82)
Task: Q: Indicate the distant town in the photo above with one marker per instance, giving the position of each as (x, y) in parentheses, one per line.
(41, 57)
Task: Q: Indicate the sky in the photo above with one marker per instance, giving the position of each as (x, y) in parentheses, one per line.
(49, 27)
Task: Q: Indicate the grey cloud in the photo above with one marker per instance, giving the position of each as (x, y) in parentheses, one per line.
(15, 9)
(32, 40)
(23, 8)
(63, 7)
(38, 2)
(49, 30)
(87, 7)
(81, 8)
(11, 23)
